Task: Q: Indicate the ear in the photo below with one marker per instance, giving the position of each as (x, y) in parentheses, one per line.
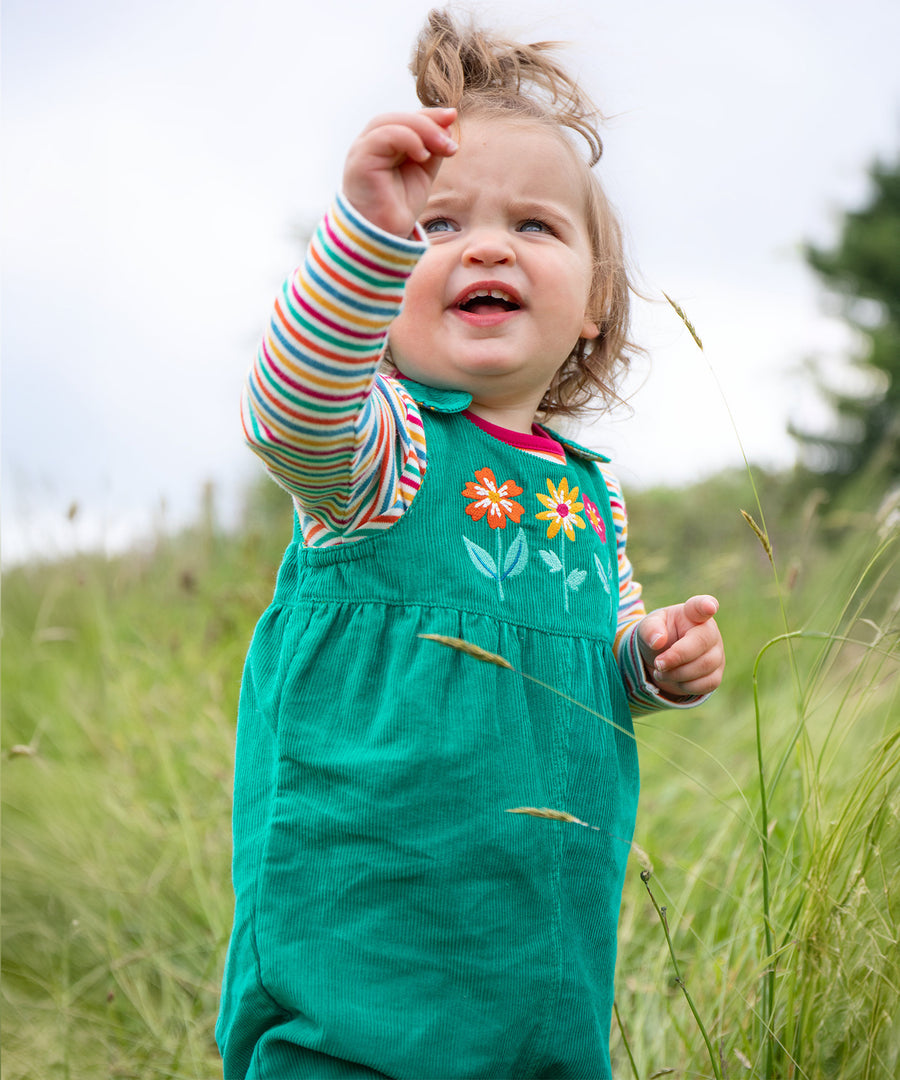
(590, 329)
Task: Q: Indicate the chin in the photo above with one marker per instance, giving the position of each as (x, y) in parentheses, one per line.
(490, 364)
(429, 378)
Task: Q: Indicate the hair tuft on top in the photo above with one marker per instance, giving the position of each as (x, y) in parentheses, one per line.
(472, 70)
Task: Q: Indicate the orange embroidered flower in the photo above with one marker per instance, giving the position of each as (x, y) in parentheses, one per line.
(492, 499)
(561, 509)
(594, 517)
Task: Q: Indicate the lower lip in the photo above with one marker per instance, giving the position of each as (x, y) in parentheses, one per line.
(491, 318)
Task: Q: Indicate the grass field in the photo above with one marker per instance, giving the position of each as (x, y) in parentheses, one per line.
(769, 818)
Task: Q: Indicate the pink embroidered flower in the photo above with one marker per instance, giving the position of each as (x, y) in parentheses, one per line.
(492, 500)
(594, 517)
(561, 509)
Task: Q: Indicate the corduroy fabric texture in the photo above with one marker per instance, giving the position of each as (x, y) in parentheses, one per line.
(391, 918)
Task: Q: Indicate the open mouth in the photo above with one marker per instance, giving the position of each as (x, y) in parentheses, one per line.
(487, 301)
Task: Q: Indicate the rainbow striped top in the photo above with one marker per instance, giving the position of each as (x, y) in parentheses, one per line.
(346, 439)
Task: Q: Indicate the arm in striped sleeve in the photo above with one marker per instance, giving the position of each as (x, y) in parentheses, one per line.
(643, 694)
(326, 428)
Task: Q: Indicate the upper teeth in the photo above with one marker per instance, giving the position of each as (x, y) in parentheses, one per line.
(497, 294)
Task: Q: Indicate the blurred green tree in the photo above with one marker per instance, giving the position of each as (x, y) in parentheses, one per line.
(863, 270)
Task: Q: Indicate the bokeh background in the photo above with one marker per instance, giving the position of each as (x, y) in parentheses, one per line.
(163, 160)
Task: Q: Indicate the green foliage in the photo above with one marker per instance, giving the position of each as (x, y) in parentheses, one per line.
(864, 270)
(120, 682)
(780, 892)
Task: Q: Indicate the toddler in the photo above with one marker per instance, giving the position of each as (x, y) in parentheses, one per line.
(392, 919)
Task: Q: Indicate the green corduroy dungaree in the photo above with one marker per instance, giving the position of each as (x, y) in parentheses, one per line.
(392, 919)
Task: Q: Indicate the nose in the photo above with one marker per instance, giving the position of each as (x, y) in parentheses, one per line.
(489, 247)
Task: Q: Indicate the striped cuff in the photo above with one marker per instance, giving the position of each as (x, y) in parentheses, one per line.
(378, 240)
(643, 694)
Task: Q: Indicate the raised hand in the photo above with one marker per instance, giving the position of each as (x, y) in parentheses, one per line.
(682, 648)
(391, 166)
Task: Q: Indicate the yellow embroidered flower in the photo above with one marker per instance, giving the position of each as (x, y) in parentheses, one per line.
(561, 509)
(492, 499)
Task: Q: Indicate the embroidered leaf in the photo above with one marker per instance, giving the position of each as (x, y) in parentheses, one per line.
(516, 556)
(603, 576)
(551, 559)
(575, 579)
(481, 559)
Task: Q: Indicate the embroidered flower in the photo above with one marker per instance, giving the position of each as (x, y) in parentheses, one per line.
(561, 509)
(493, 500)
(594, 517)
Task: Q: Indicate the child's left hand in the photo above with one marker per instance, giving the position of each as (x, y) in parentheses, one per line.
(682, 648)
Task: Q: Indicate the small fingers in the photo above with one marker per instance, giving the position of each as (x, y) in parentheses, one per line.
(691, 688)
(699, 640)
(419, 135)
(442, 117)
(705, 665)
(692, 665)
(391, 166)
(699, 675)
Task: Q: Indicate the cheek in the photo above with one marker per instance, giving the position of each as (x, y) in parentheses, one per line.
(572, 291)
(425, 284)
(586, 286)
(401, 339)
(420, 319)
(405, 326)
(415, 327)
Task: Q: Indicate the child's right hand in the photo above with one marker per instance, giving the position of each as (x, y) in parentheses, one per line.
(391, 166)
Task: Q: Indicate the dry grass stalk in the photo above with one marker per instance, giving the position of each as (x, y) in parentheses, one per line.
(561, 815)
(469, 649)
(679, 311)
(546, 812)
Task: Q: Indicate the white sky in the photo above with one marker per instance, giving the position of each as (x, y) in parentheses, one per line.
(159, 158)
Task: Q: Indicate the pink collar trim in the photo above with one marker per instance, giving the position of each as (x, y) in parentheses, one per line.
(537, 440)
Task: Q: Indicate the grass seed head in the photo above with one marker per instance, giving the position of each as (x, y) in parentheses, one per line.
(679, 311)
(469, 649)
(546, 812)
(763, 539)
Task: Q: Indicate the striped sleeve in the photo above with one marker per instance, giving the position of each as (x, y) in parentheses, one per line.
(347, 443)
(643, 694)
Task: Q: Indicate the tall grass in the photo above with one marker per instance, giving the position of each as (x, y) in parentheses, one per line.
(790, 915)
(120, 685)
(120, 682)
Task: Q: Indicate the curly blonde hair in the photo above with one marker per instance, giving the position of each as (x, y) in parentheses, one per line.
(483, 75)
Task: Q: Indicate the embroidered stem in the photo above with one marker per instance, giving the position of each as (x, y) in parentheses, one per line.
(499, 565)
(565, 582)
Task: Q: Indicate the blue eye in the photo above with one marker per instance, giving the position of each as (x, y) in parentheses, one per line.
(438, 225)
(533, 225)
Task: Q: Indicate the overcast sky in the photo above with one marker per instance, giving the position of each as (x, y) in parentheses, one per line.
(160, 160)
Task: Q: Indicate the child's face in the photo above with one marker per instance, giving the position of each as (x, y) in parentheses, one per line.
(507, 215)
